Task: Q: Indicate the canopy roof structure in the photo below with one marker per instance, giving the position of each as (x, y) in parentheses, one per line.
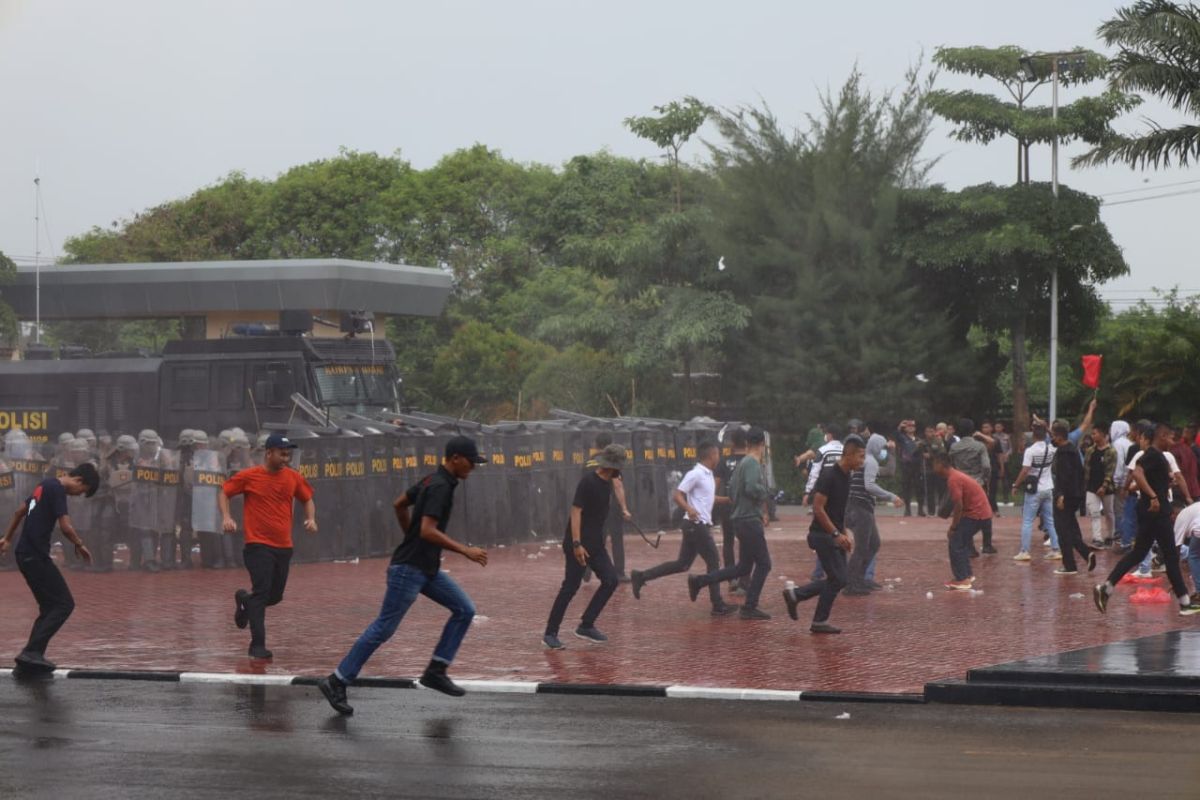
(142, 291)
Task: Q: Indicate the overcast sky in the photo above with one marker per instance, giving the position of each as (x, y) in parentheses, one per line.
(125, 104)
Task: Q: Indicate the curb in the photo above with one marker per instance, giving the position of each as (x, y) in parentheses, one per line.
(678, 692)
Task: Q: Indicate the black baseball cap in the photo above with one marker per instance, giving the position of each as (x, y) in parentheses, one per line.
(277, 441)
(464, 446)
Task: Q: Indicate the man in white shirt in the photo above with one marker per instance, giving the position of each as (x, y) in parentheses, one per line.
(1187, 531)
(1035, 464)
(829, 453)
(696, 496)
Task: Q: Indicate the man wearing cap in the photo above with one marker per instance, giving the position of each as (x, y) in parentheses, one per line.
(270, 489)
(43, 509)
(424, 514)
(583, 546)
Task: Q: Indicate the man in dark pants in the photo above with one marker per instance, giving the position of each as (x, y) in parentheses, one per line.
(618, 514)
(908, 450)
(416, 568)
(1152, 475)
(270, 489)
(723, 475)
(748, 492)
(43, 509)
(583, 546)
(695, 495)
(1069, 493)
(829, 537)
(970, 511)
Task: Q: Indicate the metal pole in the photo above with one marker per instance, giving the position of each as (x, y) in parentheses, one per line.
(37, 260)
(1054, 275)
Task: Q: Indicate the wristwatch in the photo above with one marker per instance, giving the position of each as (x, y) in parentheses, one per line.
(576, 543)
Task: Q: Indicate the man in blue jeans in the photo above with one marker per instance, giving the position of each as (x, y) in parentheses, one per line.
(1036, 464)
(970, 513)
(416, 569)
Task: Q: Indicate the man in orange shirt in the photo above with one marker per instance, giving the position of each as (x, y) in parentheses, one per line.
(971, 510)
(270, 489)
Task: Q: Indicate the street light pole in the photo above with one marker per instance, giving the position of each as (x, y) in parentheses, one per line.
(1053, 409)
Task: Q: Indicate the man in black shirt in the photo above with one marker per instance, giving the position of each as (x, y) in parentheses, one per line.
(43, 509)
(416, 569)
(1067, 469)
(829, 537)
(583, 546)
(1152, 474)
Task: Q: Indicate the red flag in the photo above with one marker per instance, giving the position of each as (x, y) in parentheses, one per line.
(1091, 371)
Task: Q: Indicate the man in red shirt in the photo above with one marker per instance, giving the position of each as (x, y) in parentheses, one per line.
(270, 489)
(971, 511)
(1186, 459)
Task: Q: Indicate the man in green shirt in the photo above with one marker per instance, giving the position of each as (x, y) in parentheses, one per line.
(748, 492)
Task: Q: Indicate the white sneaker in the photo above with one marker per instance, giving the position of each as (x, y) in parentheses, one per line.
(1064, 571)
(1143, 575)
(1022, 556)
(1053, 555)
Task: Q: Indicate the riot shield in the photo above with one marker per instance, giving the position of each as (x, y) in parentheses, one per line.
(8, 487)
(29, 469)
(143, 498)
(305, 546)
(356, 498)
(519, 472)
(208, 476)
(379, 494)
(168, 490)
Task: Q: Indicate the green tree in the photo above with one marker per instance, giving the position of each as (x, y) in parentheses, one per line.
(809, 218)
(982, 118)
(987, 253)
(8, 320)
(481, 371)
(1149, 360)
(668, 310)
(1159, 54)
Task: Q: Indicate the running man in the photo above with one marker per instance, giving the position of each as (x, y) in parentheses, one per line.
(748, 492)
(1152, 475)
(583, 547)
(829, 537)
(424, 514)
(43, 509)
(270, 489)
(696, 495)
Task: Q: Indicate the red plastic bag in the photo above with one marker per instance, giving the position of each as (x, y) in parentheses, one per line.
(1146, 596)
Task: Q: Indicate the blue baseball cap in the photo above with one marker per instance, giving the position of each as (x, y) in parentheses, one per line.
(277, 441)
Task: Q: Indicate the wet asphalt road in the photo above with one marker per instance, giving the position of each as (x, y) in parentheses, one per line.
(118, 739)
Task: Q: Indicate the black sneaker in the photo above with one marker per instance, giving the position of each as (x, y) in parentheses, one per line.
(335, 692)
(591, 634)
(989, 550)
(749, 612)
(973, 554)
(723, 610)
(873, 586)
(1092, 561)
(435, 678)
(35, 662)
(1100, 597)
(552, 642)
(260, 652)
(789, 597)
(823, 627)
(636, 582)
(239, 608)
(694, 587)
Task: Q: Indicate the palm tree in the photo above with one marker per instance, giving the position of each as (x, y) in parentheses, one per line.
(1159, 55)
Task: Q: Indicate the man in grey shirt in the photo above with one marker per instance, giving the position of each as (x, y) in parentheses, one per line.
(970, 455)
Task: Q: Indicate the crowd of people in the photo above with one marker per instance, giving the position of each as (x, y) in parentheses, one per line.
(1137, 484)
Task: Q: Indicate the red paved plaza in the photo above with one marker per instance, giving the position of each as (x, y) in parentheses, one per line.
(894, 641)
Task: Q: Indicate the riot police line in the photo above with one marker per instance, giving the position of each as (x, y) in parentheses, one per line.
(159, 498)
